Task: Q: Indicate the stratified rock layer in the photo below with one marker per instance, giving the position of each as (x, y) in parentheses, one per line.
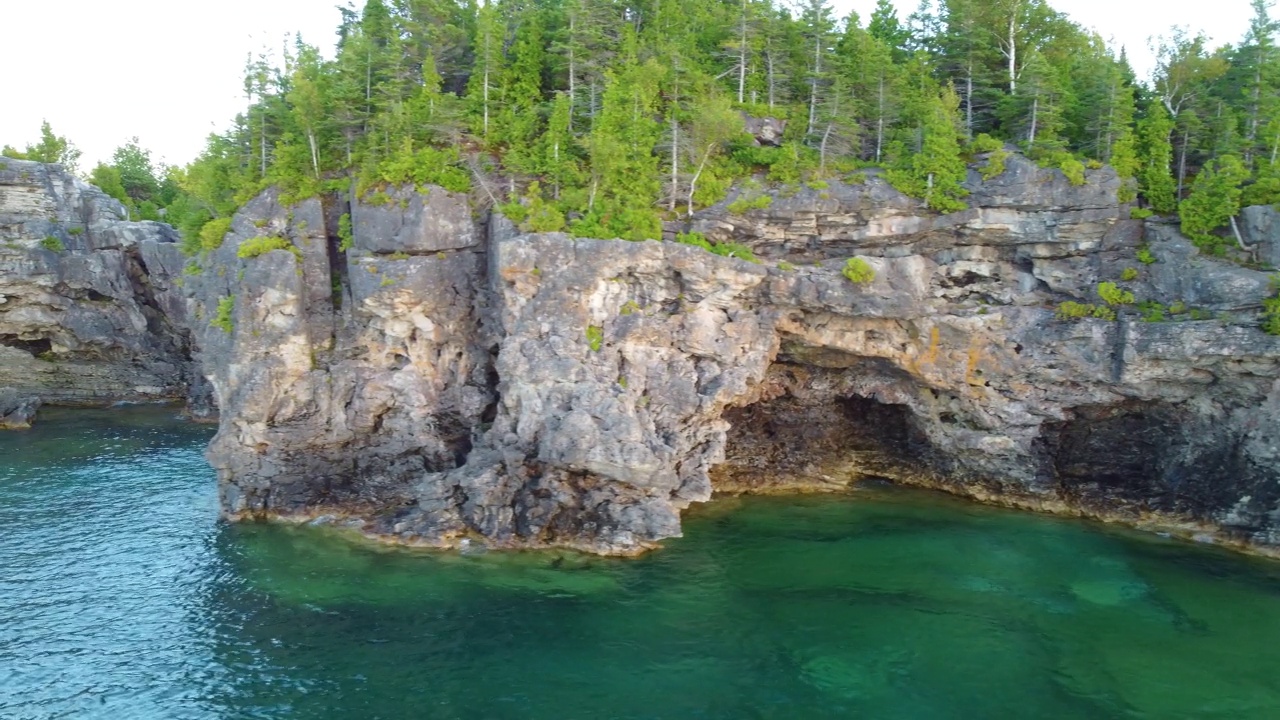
(89, 308)
(538, 390)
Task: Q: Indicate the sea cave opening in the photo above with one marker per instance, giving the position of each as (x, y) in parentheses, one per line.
(818, 430)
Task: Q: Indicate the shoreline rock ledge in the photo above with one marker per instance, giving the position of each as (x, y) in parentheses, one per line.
(435, 377)
(440, 378)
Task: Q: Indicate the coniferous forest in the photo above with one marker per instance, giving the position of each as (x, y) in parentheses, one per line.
(603, 117)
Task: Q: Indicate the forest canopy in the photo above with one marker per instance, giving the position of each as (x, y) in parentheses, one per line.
(603, 117)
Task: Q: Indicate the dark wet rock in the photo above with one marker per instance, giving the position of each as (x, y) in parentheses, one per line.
(16, 411)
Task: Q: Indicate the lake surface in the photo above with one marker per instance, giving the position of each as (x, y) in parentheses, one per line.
(122, 596)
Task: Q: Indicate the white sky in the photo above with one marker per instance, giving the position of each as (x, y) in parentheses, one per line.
(169, 71)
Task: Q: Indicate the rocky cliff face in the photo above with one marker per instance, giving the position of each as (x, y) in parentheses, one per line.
(447, 380)
(90, 312)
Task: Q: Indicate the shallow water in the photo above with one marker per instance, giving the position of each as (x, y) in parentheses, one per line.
(121, 596)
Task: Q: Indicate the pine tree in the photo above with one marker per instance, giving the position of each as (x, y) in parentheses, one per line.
(1156, 155)
(482, 90)
(51, 149)
(624, 169)
(937, 172)
(518, 124)
(818, 25)
(1214, 201)
(884, 26)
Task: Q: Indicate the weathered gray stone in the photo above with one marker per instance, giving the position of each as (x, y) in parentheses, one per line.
(1260, 226)
(1183, 274)
(412, 222)
(90, 312)
(766, 130)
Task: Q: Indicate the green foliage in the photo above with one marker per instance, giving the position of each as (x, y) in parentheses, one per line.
(1141, 213)
(1214, 200)
(53, 244)
(626, 113)
(984, 143)
(223, 317)
(694, 238)
(595, 337)
(624, 169)
(261, 245)
(1069, 164)
(213, 232)
(744, 204)
(1075, 311)
(995, 166)
(724, 249)
(935, 173)
(1151, 312)
(1156, 151)
(536, 214)
(1113, 295)
(1271, 316)
(52, 148)
(420, 166)
(346, 235)
(786, 267)
(858, 271)
(1129, 274)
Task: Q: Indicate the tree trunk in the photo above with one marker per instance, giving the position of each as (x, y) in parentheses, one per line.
(768, 56)
(315, 152)
(675, 162)
(1013, 50)
(968, 101)
(1035, 117)
(822, 151)
(693, 184)
(573, 65)
(742, 55)
(813, 83)
(1253, 111)
(1182, 163)
(880, 119)
(262, 140)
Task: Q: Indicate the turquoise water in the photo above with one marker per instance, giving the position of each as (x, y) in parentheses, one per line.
(121, 596)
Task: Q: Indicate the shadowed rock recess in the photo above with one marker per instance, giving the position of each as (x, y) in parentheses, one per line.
(439, 378)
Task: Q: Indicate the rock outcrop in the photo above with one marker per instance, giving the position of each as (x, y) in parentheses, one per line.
(445, 379)
(90, 311)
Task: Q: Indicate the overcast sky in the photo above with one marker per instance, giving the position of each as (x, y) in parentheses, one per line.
(102, 71)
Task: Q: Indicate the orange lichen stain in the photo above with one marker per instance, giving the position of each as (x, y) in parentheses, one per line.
(975, 356)
(935, 344)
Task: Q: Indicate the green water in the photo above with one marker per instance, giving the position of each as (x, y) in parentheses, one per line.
(121, 596)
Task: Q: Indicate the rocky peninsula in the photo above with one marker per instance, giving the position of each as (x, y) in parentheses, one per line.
(431, 375)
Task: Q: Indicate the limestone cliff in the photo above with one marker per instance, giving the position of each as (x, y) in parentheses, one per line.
(446, 378)
(90, 312)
